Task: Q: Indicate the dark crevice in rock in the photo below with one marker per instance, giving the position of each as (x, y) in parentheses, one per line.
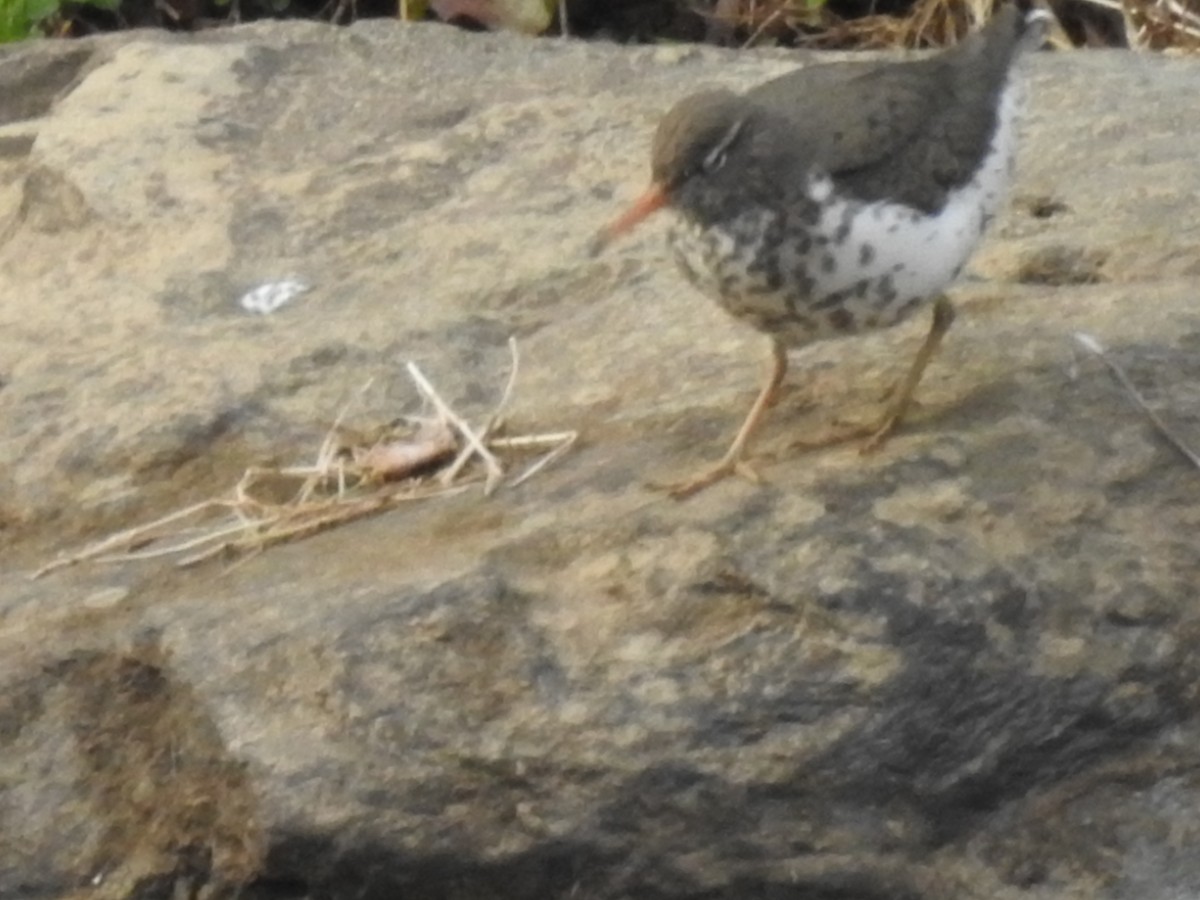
(34, 82)
(15, 146)
(305, 868)
(1041, 206)
(1061, 264)
(51, 203)
(170, 811)
(963, 735)
(318, 869)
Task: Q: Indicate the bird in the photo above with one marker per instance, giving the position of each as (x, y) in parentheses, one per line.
(838, 199)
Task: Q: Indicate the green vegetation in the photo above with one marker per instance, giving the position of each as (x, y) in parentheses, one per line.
(20, 19)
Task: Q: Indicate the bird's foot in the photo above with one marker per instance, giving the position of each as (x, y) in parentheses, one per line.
(887, 397)
(837, 433)
(880, 433)
(873, 434)
(726, 468)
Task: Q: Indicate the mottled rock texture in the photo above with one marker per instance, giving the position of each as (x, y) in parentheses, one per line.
(963, 668)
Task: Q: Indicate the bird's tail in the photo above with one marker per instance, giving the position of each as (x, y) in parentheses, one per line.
(1034, 29)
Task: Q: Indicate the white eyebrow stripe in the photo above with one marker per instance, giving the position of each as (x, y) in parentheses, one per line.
(725, 142)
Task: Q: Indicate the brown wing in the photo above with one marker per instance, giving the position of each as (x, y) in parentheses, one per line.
(872, 127)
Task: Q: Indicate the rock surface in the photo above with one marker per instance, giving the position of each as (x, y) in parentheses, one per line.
(962, 668)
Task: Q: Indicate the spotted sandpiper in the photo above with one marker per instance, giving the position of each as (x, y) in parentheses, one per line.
(840, 198)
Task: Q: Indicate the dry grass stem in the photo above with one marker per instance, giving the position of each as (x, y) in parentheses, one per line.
(350, 479)
(562, 442)
(495, 419)
(137, 536)
(769, 22)
(1093, 346)
(494, 470)
(1155, 25)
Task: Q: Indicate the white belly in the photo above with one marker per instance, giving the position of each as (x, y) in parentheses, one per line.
(864, 265)
(922, 253)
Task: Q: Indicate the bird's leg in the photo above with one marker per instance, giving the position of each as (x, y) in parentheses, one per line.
(733, 462)
(943, 318)
(900, 396)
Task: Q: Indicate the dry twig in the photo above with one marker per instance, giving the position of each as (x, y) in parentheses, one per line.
(344, 483)
(494, 470)
(493, 421)
(1094, 347)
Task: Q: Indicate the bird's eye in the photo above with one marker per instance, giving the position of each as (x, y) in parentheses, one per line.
(715, 160)
(717, 156)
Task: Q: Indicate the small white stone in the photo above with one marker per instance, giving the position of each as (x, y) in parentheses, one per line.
(268, 297)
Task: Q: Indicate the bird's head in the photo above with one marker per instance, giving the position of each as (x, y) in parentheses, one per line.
(691, 147)
(695, 138)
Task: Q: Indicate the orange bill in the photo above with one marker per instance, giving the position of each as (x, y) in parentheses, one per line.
(654, 199)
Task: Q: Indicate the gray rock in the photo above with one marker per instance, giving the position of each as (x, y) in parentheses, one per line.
(961, 668)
